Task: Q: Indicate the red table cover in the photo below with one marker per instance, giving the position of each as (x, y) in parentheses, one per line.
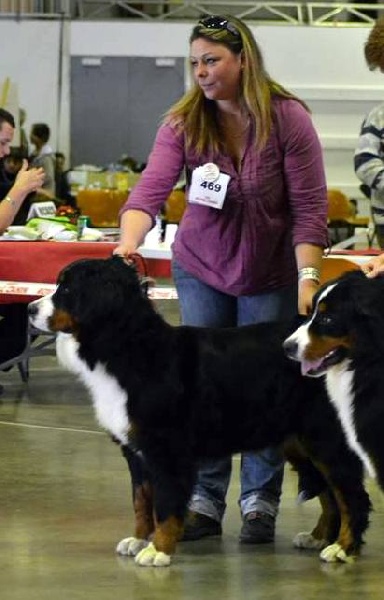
(41, 262)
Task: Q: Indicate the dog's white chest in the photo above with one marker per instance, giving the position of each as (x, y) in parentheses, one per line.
(339, 385)
(110, 402)
(109, 399)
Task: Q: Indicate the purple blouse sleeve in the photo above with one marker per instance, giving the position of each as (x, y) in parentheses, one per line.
(163, 169)
(304, 175)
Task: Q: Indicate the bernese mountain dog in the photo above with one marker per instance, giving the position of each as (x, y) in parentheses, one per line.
(173, 395)
(344, 339)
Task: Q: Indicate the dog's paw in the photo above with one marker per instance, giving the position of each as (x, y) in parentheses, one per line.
(335, 553)
(130, 546)
(150, 557)
(305, 540)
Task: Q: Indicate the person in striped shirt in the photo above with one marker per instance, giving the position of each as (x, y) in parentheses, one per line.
(369, 153)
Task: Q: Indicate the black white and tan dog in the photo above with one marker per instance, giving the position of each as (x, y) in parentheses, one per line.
(344, 339)
(172, 395)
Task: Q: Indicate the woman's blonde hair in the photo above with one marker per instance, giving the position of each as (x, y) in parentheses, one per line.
(196, 115)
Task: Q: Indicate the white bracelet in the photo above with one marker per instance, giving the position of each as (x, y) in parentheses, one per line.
(309, 273)
(11, 202)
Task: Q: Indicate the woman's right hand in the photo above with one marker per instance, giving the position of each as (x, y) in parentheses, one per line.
(29, 180)
(125, 250)
(134, 226)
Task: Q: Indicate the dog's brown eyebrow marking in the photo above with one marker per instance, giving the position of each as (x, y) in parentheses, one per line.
(322, 307)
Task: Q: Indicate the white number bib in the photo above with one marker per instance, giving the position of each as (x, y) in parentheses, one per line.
(208, 186)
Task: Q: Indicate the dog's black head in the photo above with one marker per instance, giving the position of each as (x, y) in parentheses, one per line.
(90, 293)
(347, 321)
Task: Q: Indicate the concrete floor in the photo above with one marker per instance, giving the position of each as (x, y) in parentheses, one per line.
(65, 503)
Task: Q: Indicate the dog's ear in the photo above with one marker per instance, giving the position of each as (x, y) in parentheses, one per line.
(368, 314)
(133, 262)
(368, 297)
(145, 281)
(118, 258)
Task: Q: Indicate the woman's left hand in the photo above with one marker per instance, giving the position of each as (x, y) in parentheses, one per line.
(374, 267)
(307, 289)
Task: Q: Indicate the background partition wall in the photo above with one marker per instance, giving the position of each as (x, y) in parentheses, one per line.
(117, 104)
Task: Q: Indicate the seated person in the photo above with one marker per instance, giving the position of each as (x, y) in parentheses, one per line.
(43, 157)
(18, 181)
(63, 188)
(13, 317)
(10, 166)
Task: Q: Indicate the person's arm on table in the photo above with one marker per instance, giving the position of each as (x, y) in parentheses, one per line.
(26, 181)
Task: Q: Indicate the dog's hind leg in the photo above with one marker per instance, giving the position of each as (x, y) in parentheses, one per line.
(142, 493)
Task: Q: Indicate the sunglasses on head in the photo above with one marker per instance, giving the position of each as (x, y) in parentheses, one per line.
(216, 22)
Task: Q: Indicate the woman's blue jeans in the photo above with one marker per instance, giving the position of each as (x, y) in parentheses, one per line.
(261, 473)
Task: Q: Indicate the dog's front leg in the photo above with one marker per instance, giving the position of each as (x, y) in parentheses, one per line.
(311, 483)
(353, 505)
(142, 493)
(171, 496)
(327, 527)
(159, 552)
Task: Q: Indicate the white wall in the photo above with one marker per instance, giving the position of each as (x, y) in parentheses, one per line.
(30, 57)
(325, 66)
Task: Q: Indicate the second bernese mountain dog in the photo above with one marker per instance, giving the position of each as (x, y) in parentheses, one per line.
(171, 396)
(344, 340)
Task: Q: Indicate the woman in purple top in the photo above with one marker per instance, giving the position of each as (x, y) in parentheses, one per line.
(249, 246)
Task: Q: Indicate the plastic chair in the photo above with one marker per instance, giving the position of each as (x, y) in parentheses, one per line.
(175, 206)
(332, 267)
(342, 216)
(37, 344)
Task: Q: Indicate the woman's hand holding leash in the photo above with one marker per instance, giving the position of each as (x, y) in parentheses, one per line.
(125, 250)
